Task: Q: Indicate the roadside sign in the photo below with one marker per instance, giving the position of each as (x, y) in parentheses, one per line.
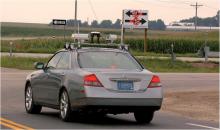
(135, 18)
(59, 22)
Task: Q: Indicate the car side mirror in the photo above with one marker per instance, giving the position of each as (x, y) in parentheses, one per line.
(39, 65)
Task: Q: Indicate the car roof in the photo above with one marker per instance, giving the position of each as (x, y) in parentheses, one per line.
(87, 49)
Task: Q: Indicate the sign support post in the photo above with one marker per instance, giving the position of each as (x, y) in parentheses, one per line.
(122, 29)
(145, 40)
(122, 35)
(64, 26)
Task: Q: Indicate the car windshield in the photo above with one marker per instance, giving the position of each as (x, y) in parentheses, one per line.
(107, 60)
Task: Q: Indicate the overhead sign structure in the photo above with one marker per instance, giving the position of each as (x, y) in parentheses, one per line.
(135, 18)
(59, 22)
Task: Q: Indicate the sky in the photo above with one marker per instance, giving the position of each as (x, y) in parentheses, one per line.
(43, 11)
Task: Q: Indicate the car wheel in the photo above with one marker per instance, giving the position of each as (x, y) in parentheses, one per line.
(144, 117)
(29, 103)
(65, 110)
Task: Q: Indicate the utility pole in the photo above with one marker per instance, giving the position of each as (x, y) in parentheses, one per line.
(75, 21)
(196, 6)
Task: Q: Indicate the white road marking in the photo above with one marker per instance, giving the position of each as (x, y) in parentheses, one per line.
(203, 126)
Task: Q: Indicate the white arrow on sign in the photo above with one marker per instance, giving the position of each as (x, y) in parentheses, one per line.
(59, 22)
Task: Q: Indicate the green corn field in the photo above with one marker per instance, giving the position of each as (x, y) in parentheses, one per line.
(180, 45)
(153, 45)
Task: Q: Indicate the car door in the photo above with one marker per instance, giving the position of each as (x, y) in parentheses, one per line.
(43, 85)
(56, 78)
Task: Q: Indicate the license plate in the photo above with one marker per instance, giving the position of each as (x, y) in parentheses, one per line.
(125, 85)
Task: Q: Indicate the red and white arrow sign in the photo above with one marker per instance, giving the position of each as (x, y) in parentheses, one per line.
(135, 13)
(135, 18)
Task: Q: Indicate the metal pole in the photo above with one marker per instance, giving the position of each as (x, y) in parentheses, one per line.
(123, 35)
(196, 16)
(122, 28)
(64, 33)
(75, 21)
(206, 48)
(145, 40)
(173, 56)
(11, 43)
(206, 54)
(78, 33)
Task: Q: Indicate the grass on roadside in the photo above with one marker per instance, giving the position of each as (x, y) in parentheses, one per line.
(24, 63)
(154, 65)
(165, 65)
(152, 54)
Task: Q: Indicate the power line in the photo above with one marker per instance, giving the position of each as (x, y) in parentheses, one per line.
(171, 1)
(196, 7)
(174, 2)
(168, 2)
(93, 10)
(211, 7)
(189, 2)
(179, 2)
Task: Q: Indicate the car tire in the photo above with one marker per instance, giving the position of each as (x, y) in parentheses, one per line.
(29, 102)
(144, 117)
(101, 115)
(65, 109)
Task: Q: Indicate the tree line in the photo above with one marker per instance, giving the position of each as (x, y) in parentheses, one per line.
(209, 21)
(154, 25)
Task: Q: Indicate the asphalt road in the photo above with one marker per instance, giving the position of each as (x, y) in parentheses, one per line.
(12, 107)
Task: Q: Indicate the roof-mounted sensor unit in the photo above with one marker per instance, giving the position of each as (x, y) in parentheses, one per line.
(71, 46)
(124, 47)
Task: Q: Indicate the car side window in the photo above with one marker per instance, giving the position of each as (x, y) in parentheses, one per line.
(64, 62)
(53, 61)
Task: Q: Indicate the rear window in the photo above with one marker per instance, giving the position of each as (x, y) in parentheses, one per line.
(107, 60)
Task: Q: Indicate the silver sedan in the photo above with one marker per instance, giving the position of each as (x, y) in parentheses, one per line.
(94, 80)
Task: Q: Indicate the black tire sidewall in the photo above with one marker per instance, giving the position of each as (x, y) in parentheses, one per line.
(34, 109)
(68, 113)
(28, 110)
(144, 117)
